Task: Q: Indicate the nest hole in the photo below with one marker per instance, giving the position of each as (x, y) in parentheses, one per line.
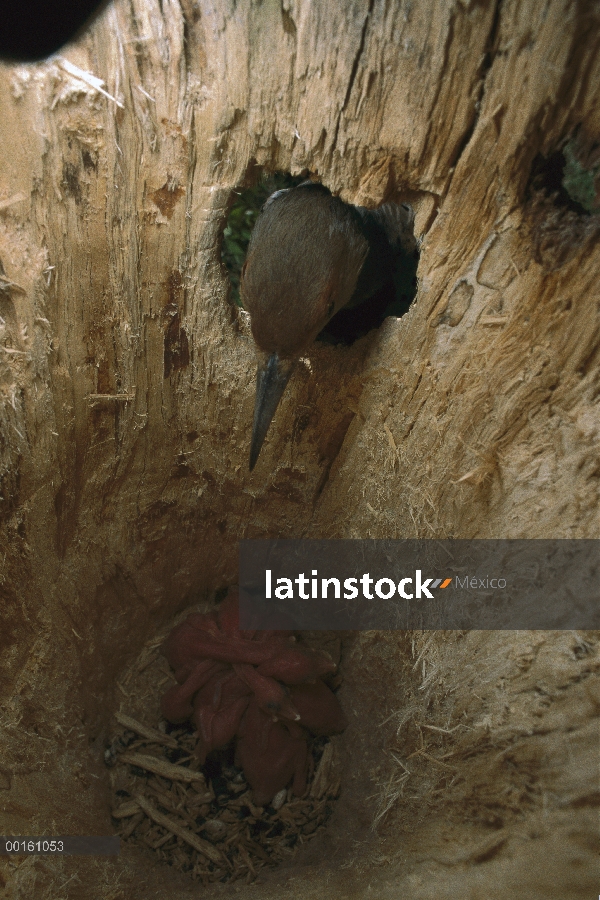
(570, 176)
(393, 298)
(563, 202)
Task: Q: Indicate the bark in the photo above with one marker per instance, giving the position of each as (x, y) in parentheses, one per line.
(126, 396)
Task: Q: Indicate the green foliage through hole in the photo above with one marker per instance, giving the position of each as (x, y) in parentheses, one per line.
(241, 219)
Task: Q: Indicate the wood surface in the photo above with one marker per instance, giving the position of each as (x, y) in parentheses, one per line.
(127, 390)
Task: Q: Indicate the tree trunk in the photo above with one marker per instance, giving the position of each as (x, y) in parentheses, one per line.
(127, 389)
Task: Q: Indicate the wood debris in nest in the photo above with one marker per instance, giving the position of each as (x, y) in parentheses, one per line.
(201, 819)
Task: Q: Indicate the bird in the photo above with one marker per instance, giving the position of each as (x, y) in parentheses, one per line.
(311, 255)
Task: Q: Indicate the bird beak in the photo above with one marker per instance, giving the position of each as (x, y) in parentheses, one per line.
(271, 379)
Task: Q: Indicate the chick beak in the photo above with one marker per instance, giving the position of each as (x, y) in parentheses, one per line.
(271, 379)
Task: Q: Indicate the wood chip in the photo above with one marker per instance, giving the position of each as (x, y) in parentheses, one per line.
(152, 734)
(256, 811)
(144, 663)
(163, 840)
(161, 767)
(323, 773)
(227, 816)
(125, 810)
(167, 800)
(255, 847)
(193, 840)
(132, 825)
(233, 835)
(246, 858)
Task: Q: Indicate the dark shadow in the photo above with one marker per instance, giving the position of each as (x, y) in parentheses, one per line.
(568, 179)
(32, 30)
(392, 299)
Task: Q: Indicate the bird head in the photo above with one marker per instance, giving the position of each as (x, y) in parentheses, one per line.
(302, 265)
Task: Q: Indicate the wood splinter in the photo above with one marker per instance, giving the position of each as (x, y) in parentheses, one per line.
(162, 767)
(152, 734)
(193, 840)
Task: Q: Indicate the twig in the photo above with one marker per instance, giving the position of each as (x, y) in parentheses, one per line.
(432, 759)
(131, 808)
(162, 767)
(152, 734)
(193, 840)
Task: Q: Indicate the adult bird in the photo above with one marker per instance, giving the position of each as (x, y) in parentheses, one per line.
(310, 255)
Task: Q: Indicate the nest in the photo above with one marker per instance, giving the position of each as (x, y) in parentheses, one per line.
(201, 819)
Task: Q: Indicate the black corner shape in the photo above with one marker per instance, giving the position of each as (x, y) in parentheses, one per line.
(31, 30)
